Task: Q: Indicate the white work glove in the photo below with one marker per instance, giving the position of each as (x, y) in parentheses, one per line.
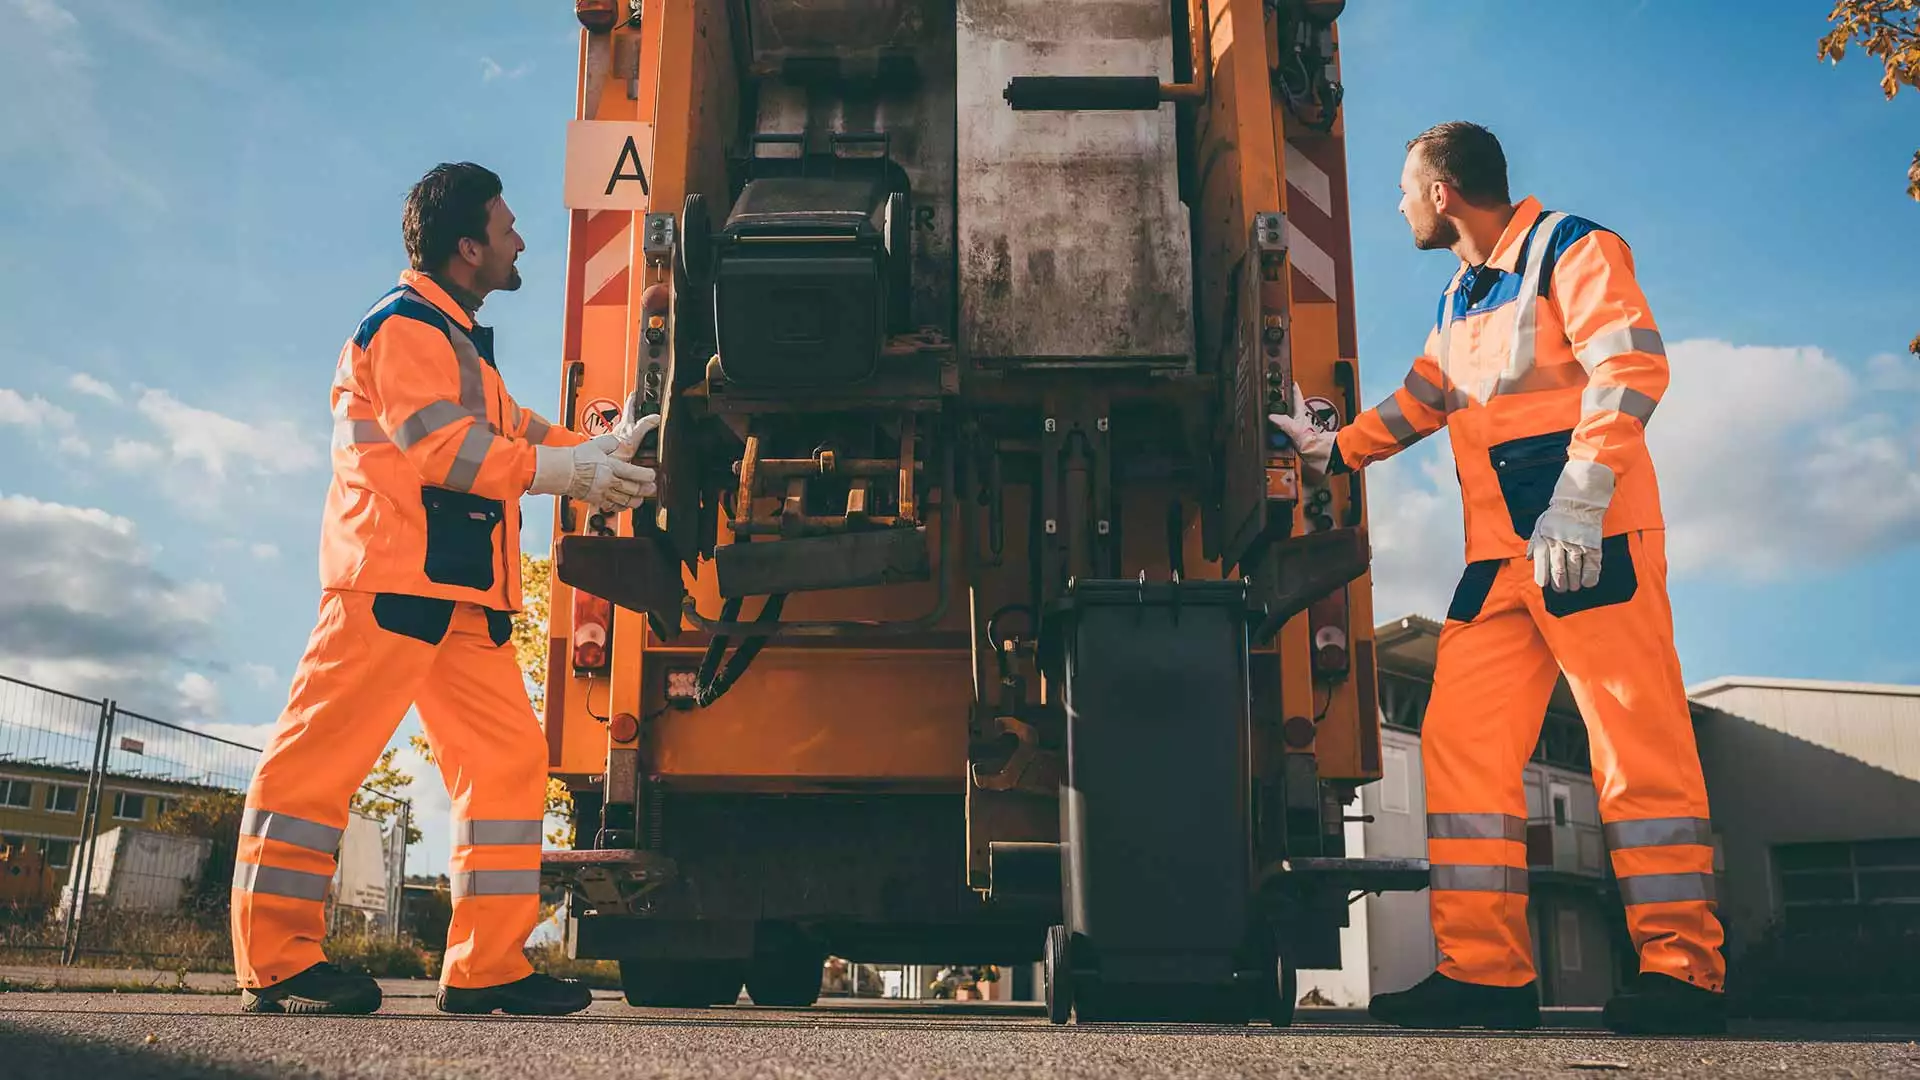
(1565, 547)
(599, 471)
(1315, 446)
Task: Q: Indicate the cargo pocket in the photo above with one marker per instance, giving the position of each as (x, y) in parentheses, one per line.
(499, 626)
(460, 532)
(1471, 594)
(420, 617)
(1618, 582)
(1527, 470)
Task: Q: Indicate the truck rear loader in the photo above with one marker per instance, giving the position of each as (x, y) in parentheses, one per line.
(980, 617)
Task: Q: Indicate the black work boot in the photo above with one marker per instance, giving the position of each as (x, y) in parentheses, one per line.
(321, 989)
(1440, 1002)
(535, 995)
(1662, 1005)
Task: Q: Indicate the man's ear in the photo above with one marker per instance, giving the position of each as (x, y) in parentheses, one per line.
(469, 250)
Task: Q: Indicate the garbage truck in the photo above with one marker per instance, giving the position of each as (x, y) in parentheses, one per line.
(981, 616)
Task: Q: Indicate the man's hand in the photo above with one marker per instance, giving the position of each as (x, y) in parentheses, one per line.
(1315, 446)
(1565, 547)
(600, 471)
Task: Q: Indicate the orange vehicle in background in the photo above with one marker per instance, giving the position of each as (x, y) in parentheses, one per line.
(981, 618)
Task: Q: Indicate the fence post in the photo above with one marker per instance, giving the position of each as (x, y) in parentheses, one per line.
(80, 878)
(397, 896)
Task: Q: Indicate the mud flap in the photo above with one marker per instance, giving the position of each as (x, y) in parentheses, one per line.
(639, 573)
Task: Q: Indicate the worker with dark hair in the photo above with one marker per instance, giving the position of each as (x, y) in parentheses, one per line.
(1545, 365)
(420, 577)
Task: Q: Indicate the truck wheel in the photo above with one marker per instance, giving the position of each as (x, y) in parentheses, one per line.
(1058, 975)
(679, 984)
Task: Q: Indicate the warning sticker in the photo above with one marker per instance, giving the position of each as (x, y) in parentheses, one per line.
(598, 416)
(1324, 414)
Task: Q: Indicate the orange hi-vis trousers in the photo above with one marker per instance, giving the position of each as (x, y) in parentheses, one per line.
(369, 658)
(1505, 643)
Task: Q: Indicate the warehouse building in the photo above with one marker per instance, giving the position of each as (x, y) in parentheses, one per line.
(1815, 791)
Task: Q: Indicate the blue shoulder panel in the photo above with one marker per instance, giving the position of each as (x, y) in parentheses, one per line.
(404, 304)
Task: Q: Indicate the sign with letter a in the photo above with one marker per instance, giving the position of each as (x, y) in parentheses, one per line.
(609, 164)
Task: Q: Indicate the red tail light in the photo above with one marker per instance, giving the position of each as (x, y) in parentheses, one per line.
(592, 632)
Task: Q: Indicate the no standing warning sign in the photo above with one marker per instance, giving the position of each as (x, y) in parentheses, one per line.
(609, 164)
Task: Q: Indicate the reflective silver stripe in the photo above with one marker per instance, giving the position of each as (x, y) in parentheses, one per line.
(279, 881)
(537, 427)
(473, 385)
(485, 833)
(1666, 888)
(1557, 377)
(1628, 339)
(290, 830)
(1658, 832)
(1426, 393)
(1527, 304)
(467, 461)
(1507, 879)
(1476, 827)
(1621, 399)
(1396, 421)
(496, 883)
(357, 433)
(432, 416)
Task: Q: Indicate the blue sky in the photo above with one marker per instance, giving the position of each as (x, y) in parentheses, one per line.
(196, 209)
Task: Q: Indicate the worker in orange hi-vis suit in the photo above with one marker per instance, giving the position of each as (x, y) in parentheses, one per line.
(1544, 364)
(419, 566)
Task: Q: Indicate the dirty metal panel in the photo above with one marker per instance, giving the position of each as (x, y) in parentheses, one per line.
(1073, 240)
(918, 115)
(843, 29)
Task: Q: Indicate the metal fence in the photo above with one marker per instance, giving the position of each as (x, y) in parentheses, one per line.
(118, 835)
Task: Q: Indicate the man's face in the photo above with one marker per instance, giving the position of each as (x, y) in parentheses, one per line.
(1420, 206)
(496, 271)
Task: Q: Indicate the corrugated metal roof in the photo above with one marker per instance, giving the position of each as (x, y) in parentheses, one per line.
(1735, 682)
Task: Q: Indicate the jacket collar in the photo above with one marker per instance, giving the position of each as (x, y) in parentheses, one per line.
(437, 296)
(1506, 253)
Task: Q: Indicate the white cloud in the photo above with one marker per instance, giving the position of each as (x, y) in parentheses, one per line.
(264, 552)
(1899, 373)
(1769, 460)
(81, 382)
(132, 455)
(83, 609)
(262, 675)
(199, 694)
(34, 412)
(218, 443)
(490, 70)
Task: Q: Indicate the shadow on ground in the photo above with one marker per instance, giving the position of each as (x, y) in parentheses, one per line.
(30, 1053)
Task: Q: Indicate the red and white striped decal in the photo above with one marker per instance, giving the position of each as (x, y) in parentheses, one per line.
(1317, 240)
(609, 245)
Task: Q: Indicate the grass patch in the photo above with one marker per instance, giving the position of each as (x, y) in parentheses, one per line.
(380, 956)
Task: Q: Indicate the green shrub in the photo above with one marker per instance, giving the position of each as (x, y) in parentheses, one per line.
(381, 956)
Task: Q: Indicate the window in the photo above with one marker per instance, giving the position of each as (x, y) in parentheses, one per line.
(1860, 874)
(1394, 798)
(59, 853)
(1567, 938)
(63, 799)
(1562, 798)
(16, 793)
(128, 807)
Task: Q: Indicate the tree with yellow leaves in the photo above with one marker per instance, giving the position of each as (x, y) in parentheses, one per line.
(1889, 31)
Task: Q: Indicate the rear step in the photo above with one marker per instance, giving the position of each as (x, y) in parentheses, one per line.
(606, 882)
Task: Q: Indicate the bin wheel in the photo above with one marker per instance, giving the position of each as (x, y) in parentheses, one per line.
(1058, 975)
(1281, 1003)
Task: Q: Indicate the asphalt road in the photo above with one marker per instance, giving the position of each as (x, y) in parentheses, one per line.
(93, 1036)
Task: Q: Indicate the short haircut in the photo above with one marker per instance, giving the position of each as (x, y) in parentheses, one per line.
(448, 205)
(1468, 157)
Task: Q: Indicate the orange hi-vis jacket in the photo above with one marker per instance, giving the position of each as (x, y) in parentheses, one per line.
(430, 456)
(1544, 365)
